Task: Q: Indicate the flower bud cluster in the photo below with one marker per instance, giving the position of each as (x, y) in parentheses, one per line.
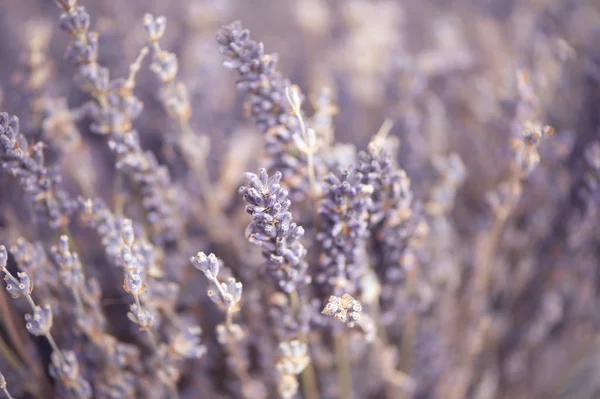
(71, 271)
(133, 282)
(96, 215)
(293, 360)
(528, 130)
(41, 184)
(40, 322)
(345, 308)
(20, 286)
(344, 215)
(392, 198)
(31, 258)
(226, 294)
(164, 64)
(274, 230)
(526, 156)
(64, 365)
(266, 102)
(113, 113)
(184, 344)
(397, 225)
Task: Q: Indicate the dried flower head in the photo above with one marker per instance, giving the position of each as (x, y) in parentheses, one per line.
(274, 230)
(141, 316)
(187, 343)
(41, 321)
(293, 360)
(155, 26)
(41, 184)
(226, 294)
(344, 215)
(345, 308)
(294, 357)
(17, 287)
(209, 265)
(268, 101)
(71, 271)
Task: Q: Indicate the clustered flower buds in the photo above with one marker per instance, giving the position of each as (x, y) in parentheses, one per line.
(64, 365)
(17, 287)
(344, 214)
(41, 184)
(133, 282)
(397, 225)
(209, 265)
(71, 271)
(155, 27)
(274, 230)
(41, 321)
(267, 102)
(345, 308)
(164, 64)
(526, 155)
(141, 316)
(293, 360)
(226, 294)
(113, 113)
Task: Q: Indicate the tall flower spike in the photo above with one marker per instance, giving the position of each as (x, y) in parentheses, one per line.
(267, 103)
(39, 324)
(274, 230)
(134, 279)
(113, 112)
(41, 184)
(395, 220)
(344, 213)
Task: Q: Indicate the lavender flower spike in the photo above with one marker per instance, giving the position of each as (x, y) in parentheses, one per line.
(274, 230)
